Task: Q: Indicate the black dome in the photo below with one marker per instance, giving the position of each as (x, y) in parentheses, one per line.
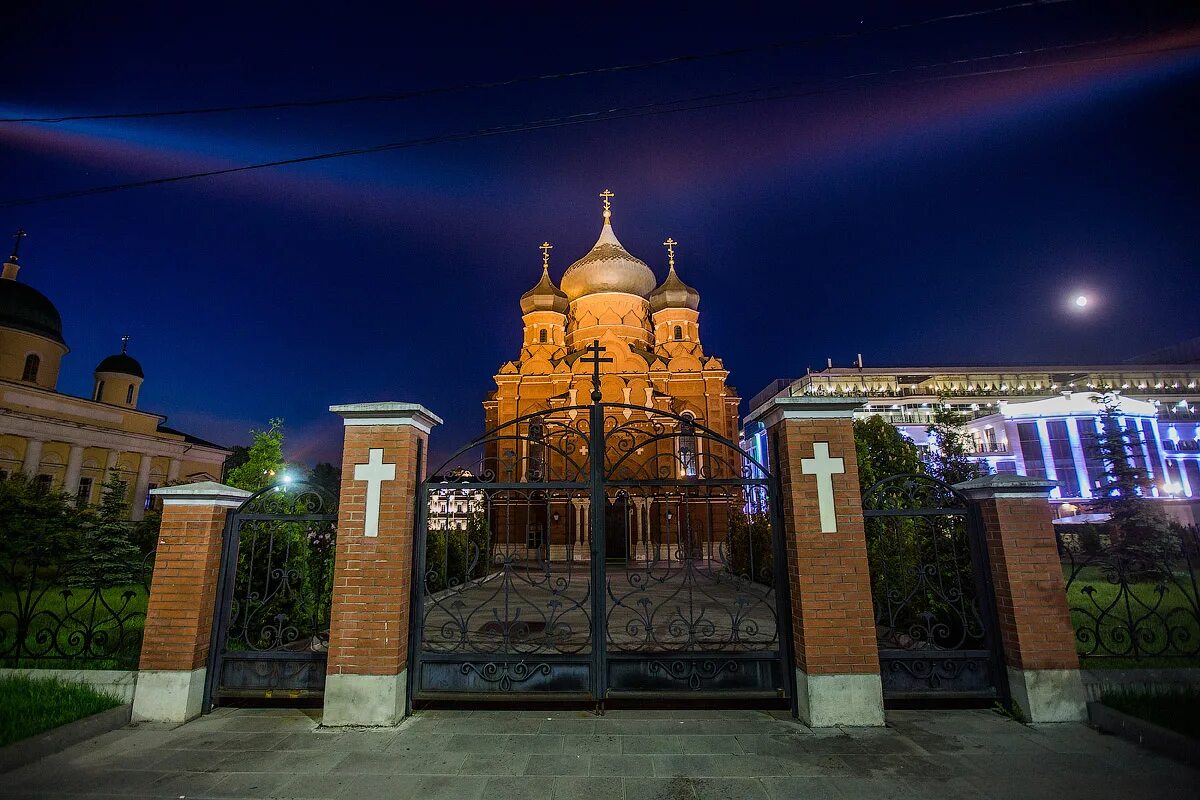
(125, 364)
(24, 308)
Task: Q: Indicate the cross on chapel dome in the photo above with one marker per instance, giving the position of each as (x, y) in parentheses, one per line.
(673, 293)
(544, 296)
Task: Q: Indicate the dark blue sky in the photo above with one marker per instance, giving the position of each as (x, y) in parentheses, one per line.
(940, 221)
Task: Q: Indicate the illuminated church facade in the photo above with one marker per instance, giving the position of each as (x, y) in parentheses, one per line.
(654, 359)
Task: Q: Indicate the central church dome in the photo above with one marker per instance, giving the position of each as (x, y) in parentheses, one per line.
(608, 267)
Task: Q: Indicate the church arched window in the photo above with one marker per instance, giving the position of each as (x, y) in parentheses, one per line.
(542, 336)
(99, 391)
(129, 395)
(678, 333)
(32, 364)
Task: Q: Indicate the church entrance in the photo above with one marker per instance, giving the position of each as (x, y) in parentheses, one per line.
(602, 552)
(616, 528)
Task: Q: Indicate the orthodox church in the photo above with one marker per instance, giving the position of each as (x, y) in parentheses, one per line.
(650, 330)
(653, 362)
(76, 444)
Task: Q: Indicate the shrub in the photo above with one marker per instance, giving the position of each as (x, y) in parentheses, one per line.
(751, 553)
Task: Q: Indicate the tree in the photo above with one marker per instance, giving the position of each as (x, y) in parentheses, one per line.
(882, 451)
(264, 460)
(328, 477)
(37, 527)
(948, 458)
(1125, 492)
(105, 554)
(239, 454)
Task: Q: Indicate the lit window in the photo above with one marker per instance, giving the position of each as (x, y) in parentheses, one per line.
(99, 391)
(32, 363)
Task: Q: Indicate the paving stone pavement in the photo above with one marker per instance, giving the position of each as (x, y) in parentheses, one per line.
(626, 755)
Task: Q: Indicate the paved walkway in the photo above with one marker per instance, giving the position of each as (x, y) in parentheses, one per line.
(626, 755)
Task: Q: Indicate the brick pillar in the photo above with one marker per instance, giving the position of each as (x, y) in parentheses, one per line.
(1031, 596)
(382, 462)
(179, 616)
(833, 624)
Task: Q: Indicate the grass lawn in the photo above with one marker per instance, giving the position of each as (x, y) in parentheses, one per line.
(86, 630)
(29, 706)
(1180, 712)
(1107, 611)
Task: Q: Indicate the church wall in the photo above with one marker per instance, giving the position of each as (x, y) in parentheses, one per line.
(16, 345)
(623, 315)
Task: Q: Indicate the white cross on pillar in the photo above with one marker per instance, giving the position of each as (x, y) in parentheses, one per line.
(374, 472)
(824, 468)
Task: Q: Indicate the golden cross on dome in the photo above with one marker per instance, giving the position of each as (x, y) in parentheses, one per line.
(546, 247)
(670, 245)
(606, 196)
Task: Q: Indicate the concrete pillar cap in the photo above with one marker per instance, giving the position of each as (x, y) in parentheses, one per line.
(203, 493)
(388, 413)
(1008, 486)
(805, 407)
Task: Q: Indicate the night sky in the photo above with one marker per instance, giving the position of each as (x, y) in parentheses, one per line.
(908, 217)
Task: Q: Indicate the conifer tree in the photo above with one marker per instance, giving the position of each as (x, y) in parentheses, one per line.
(1125, 493)
(107, 555)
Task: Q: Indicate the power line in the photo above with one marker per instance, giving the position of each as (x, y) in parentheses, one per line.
(461, 87)
(698, 103)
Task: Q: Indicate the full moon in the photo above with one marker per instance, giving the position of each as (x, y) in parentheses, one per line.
(1081, 300)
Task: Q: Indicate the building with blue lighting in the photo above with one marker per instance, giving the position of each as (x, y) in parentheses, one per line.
(1036, 421)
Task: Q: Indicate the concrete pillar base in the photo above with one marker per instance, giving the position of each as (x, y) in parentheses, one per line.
(1048, 695)
(825, 701)
(168, 695)
(366, 700)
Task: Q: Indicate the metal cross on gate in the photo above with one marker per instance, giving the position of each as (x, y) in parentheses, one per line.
(595, 349)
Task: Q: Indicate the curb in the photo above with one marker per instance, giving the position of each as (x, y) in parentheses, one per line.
(40, 745)
(1155, 737)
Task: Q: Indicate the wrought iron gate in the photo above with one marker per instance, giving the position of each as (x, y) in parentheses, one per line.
(602, 551)
(932, 592)
(271, 630)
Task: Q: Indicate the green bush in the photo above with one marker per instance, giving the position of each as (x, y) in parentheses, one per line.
(751, 551)
(454, 557)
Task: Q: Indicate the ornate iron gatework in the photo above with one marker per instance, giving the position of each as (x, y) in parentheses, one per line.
(931, 588)
(593, 552)
(271, 631)
(72, 598)
(1133, 598)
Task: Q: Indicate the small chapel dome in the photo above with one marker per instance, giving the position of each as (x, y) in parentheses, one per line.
(544, 296)
(674, 293)
(121, 364)
(608, 267)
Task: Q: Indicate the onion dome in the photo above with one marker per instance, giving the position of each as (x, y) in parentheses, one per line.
(673, 293)
(608, 267)
(544, 296)
(121, 363)
(23, 308)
